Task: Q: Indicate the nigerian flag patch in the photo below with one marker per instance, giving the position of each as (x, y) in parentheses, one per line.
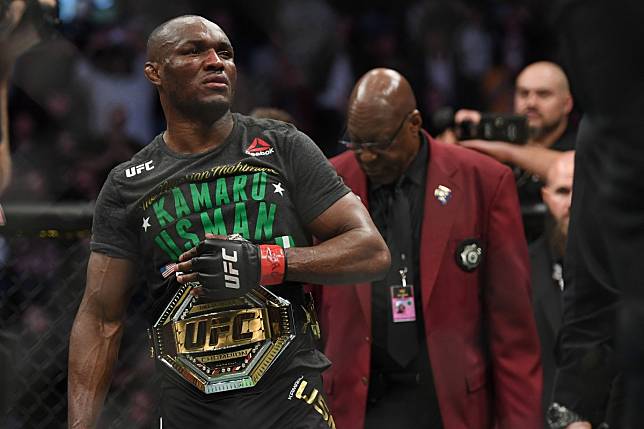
(285, 241)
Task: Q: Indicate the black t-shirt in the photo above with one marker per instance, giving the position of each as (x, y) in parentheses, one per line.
(267, 181)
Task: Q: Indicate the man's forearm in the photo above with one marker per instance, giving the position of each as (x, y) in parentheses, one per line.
(354, 256)
(5, 155)
(93, 351)
(535, 159)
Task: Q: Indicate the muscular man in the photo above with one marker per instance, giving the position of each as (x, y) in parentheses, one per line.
(447, 339)
(547, 264)
(214, 173)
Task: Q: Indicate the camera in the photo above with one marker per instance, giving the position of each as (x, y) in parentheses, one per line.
(506, 128)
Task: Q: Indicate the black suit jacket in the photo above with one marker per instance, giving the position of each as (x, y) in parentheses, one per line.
(546, 301)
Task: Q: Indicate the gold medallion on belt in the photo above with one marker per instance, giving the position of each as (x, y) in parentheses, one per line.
(222, 345)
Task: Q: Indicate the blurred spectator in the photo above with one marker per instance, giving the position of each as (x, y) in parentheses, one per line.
(113, 79)
(547, 265)
(272, 113)
(304, 29)
(474, 51)
(16, 36)
(542, 95)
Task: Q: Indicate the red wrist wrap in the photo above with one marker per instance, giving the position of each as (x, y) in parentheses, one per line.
(273, 264)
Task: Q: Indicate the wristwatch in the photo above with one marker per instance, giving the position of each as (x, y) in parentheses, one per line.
(559, 417)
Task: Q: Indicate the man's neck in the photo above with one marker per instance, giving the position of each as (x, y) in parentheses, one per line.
(193, 136)
(549, 138)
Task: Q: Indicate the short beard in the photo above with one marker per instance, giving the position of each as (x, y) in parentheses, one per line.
(539, 133)
(557, 236)
(204, 112)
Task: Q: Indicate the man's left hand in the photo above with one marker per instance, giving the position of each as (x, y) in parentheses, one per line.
(229, 268)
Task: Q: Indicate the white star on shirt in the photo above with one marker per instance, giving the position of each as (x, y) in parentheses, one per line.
(146, 223)
(278, 189)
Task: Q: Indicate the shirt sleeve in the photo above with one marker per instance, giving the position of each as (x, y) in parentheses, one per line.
(111, 232)
(317, 185)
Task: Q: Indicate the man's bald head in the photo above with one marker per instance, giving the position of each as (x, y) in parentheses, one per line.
(562, 170)
(383, 91)
(557, 192)
(383, 124)
(167, 33)
(549, 72)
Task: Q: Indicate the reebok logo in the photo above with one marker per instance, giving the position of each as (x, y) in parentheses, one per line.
(259, 148)
(138, 169)
(231, 274)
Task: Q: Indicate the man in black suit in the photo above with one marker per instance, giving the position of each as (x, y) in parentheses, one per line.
(546, 259)
(603, 315)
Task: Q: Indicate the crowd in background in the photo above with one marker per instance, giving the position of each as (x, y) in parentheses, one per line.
(80, 104)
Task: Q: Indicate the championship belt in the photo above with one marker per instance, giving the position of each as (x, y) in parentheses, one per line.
(222, 345)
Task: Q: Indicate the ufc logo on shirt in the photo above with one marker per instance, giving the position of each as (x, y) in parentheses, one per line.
(231, 274)
(133, 171)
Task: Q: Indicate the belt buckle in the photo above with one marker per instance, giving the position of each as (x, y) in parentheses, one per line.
(223, 345)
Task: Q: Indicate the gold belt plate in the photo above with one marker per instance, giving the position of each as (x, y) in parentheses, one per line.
(222, 345)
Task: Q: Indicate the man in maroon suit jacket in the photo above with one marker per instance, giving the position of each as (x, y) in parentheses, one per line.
(476, 364)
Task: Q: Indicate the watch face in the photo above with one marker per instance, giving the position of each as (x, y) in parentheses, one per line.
(559, 417)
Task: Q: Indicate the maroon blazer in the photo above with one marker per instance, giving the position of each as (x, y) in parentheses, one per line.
(481, 335)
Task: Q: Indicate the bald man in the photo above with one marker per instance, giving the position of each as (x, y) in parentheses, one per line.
(547, 264)
(542, 95)
(215, 206)
(447, 339)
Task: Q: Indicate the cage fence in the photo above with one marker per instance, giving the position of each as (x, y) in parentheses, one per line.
(43, 255)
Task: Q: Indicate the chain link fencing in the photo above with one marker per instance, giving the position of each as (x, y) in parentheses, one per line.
(41, 284)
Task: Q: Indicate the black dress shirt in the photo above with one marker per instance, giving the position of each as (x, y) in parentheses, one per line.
(413, 185)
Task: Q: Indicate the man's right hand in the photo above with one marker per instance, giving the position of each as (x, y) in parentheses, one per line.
(463, 115)
(580, 425)
(501, 151)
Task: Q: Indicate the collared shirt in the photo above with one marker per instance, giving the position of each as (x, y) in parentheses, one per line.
(413, 185)
(382, 364)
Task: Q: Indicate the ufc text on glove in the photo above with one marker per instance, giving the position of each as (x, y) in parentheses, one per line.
(231, 268)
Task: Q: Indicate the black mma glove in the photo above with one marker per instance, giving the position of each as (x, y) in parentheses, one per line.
(231, 268)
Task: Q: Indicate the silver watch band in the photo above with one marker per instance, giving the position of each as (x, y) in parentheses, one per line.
(559, 417)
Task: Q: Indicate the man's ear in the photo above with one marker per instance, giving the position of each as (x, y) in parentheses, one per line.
(416, 120)
(151, 71)
(546, 196)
